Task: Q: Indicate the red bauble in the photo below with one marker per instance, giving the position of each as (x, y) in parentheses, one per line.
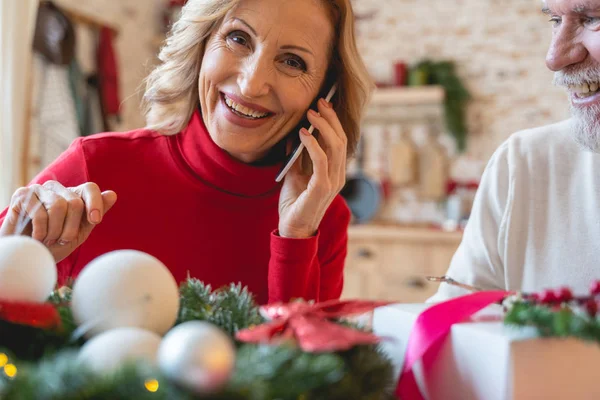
(533, 297)
(547, 297)
(565, 294)
(591, 307)
(595, 289)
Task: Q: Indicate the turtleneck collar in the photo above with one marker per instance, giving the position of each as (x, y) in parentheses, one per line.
(214, 166)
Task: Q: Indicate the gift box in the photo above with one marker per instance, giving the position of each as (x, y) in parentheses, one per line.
(485, 359)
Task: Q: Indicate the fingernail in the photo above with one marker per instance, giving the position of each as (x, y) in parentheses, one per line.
(305, 132)
(63, 242)
(313, 113)
(95, 216)
(50, 243)
(326, 103)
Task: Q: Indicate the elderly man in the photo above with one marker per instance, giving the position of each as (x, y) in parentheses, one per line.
(535, 223)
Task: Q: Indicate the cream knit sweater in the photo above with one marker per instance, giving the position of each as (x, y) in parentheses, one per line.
(535, 222)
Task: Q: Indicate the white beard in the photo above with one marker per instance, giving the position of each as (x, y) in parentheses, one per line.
(586, 120)
(586, 127)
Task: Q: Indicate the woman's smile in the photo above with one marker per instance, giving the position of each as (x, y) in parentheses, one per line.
(243, 114)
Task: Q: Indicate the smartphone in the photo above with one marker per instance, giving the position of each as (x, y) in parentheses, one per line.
(299, 147)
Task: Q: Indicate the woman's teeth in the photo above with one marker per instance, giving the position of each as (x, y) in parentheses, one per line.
(585, 90)
(243, 111)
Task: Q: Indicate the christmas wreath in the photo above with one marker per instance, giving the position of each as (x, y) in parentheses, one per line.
(97, 338)
(39, 361)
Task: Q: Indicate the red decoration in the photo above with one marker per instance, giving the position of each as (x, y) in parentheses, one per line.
(36, 315)
(400, 73)
(595, 289)
(591, 307)
(309, 324)
(548, 296)
(565, 294)
(533, 297)
(452, 186)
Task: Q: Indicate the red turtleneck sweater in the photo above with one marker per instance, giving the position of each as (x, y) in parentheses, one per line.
(188, 203)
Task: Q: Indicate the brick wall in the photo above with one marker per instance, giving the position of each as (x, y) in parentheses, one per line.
(499, 48)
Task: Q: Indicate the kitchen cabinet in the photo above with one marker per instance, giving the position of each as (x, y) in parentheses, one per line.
(388, 262)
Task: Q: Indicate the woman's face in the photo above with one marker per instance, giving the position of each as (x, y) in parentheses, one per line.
(261, 70)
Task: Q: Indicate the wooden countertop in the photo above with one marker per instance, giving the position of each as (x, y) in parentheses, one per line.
(402, 233)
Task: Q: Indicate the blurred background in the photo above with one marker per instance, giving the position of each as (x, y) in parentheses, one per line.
(455, 79)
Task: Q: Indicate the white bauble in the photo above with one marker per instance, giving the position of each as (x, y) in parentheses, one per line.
(198, 356)
(27, 270)
(125, 288)
(111, 349)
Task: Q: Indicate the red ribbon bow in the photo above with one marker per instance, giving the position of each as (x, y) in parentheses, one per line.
(309, 324)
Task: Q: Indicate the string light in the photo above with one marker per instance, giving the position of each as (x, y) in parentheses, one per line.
(151, 385)
(3, 360)
(10, 370)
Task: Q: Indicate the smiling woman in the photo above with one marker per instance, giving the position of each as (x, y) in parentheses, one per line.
(305, 45)
(239, 82)
(281, 66)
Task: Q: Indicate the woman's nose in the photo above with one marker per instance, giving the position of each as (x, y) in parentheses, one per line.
(565, 50)
(255, 78)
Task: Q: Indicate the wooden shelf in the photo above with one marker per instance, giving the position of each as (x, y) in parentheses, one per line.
(402, 233)
(408, 96)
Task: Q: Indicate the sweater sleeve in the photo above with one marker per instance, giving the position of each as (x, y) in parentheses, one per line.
(312, 268)
(70, 169)
(478, 260)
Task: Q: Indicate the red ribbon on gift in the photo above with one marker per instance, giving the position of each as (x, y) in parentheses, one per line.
(430, 328)
(310, 325)
(44, 315)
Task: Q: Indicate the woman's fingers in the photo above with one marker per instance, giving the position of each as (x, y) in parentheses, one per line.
(108, 198)
(92, 199)
(327, 112)
(75, 210)
(17, 220)
(334, 142)
(31, 208)
(51, 214)
(320, 178)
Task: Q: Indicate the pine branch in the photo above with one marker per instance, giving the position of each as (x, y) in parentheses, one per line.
(443, 73)
(194, 301)
(231, 308)
(234, 309)
(551, 321)
(285, 372)
(62, 377)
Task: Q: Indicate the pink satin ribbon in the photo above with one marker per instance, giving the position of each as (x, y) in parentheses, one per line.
(431, 327)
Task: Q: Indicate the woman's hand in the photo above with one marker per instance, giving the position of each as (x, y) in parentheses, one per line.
(305, 199)
(61, 218)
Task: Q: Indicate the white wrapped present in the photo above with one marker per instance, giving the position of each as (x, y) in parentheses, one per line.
(484, 359)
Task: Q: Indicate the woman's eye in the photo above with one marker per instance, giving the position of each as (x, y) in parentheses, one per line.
(555, 21)
(594, 21)
(296, 63)
(239, 37)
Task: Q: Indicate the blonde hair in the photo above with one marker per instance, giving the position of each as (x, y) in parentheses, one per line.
(171, 95)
